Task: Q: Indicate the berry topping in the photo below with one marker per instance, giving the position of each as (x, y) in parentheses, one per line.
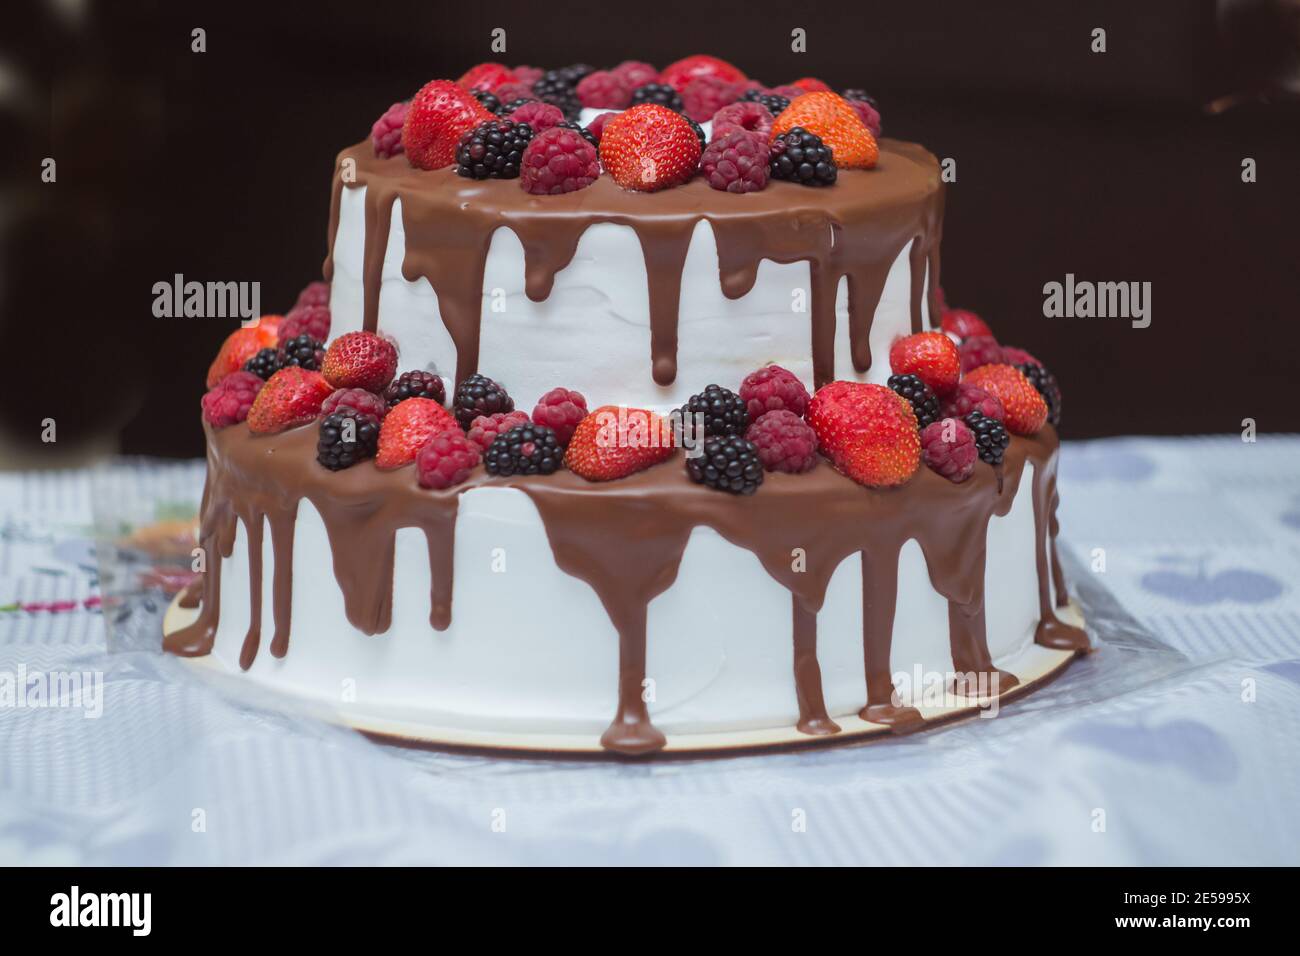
(487, 76)
(490, 101)
(729, 463)
(407, 428)
(800, 156)
(810, 84)
(1026, 411)
(293, 396)
(360, 360)
(725, 412)
(963, 323)
(485, 429)
(417, 384)
(869, 115)
(439, 115)
(357, 399)
(597, 126)
(305, 351)
(386, 134)
(649, 147)
(834, 120)
(347, 436)
(228, 402)
(575, 73)
(493, 150)
(678, 74)
(604, 90)
(925, 404)
(446, 459)
(735, 162)
(705, 95)
(930, 356)
(867, 431)
(948, 448)
(635, 73)
(314, 293)
(529, 74)
(774, 103)
(749, 117)
(980, 350)
(265, 363)
(1017, 356)
(614, 442)
(1044, 381)
(313, 320)
(527, 449)
(855, 95)
(241, 345)
(557, 88)
(537, 115)
(971, 398)
(479, 395)
(561, 409)
(771, 388)
(991, 438)
(787, 90)
(559, 160)
(512, 95)
(658, 93)
(784, 441)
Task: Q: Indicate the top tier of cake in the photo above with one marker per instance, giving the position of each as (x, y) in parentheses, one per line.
(634, 298)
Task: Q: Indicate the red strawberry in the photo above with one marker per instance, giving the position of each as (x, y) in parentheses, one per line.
(649, 147)
(868, 431)
(830, 117)
(408, 427)
(1025, 409)
(241, 345)
(292, 396)
(360, 360)
(439, 114)
(963, 323)
(810, 84)
(931, 356)
(487, 76)
(614, 442)
(678, 74)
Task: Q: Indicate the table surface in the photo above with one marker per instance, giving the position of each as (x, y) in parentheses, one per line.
(1175, 743)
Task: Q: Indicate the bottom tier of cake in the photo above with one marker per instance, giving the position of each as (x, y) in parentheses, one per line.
(538, 607)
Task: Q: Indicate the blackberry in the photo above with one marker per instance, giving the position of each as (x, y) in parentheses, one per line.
(729, 463)
(1045, 382)
(513, 105)
(488, 100)
(479, 395)
(774, 102)
(919, 395)
(264, 364)
(724, 411)
(803, 158)
(336, 453)
(555, 89)
(303, 351)
(415, 385)
(699, 131)
(493, 150)
(660, 93)
(581, 130)
(524, 450)
(576, 72)
(991, 438)
(862, 96)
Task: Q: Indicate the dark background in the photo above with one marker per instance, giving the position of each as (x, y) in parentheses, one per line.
(217, 165)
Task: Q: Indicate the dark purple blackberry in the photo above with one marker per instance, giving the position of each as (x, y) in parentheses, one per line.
(489, 100)
(862, 96)
(801, 157)
(774, 102)
(479, 395)
(919, 395)
(991, 438)
(724, 411)
(699, 131)
(576, 72)
(513, 105)
(660, 93)
(264, 364)
(347, 436)
(582, 131)
(524, 450)
(493, 150)
(303, 351)
(729, 463)
(555, 89)
(1045, 382)
(415, 385)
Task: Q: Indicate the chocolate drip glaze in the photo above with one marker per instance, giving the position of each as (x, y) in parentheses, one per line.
(626, 540)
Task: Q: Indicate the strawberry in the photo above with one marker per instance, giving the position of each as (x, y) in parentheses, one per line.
(810, 84)
(963, 323)
(439, 114)
(836, 122)
(649, 147)
(292, 396)
(360, 360)
(867, 431)
(931, 356)
(1026, 411)
(241, 345)
(614, 442)
(407, 427)
(487, 76)
(678, 74)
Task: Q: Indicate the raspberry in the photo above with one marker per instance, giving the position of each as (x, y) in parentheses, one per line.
(604, 90)
(925, 404)
(948, 448)
(635, 73)
(528, 74)
(1014, 356)
(725, 412)
(597, 126)
(868, 114)
(785, 442)
(772, 388)
(660, 94)
(971, 398)
(313, 320)
(750, 117)
(386, 134)
(347, 436)
(417, 384)
(979, 350)
(228, 402)
(729, 463)
(558, 161)
(493, 150)
(357, 399)
(538, 115)
(446, 460)
(991, 438)
(510, 93)
(479, 395)
(736, 162)
(314, 293)
(787, 90)
(799, 156)
(705, 95)
(485, 429)
(524, 450)
(560, 409)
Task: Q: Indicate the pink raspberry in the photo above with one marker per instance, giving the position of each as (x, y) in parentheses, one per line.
(948, 448)
(561, 409)
(736, 162)
(597, 126)
(315, 293)
(509, 92)
(867, 113)
(357, 399)
(789, 91)
(386, 134)
(705, 95)
(528, 75)
(745, 115)
(446, 460)
(772, 388)
(558, 161)
(635, 73)
(484, 429)
(604, 90)
(979, 350)
(785, 442)
(971, 398)
(228, 402)
(540, 116)
(1014, 356)
(313, 320)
